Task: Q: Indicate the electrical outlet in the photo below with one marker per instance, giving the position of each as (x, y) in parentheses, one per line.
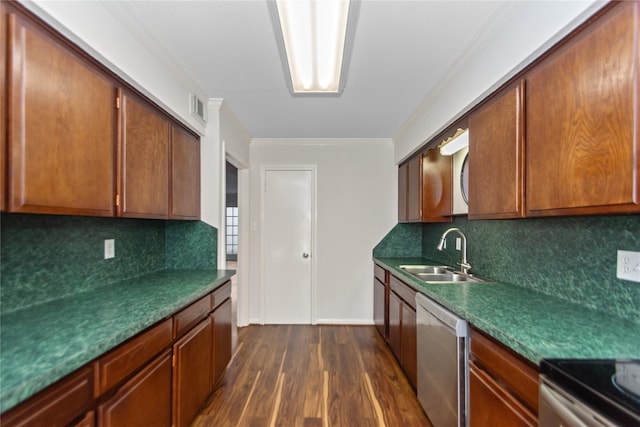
(109, 248)
(628, 266)
(458, 243)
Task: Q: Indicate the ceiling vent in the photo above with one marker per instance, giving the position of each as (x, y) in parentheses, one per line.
(197, 108)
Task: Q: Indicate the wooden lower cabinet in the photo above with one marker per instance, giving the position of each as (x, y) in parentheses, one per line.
(192, 372)
(221, 322)
(160, 377)
(402, 327)
(408, 343)
(143, 400)
(491, 405)
(58, 405)
(395, 318)
(503, 386)
(379, 295)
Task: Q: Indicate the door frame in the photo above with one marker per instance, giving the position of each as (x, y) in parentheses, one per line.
(314, 215)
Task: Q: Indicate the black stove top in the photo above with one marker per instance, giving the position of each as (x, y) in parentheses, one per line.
(611, 387)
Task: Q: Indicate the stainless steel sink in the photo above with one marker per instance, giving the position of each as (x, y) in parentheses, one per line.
(447, 277)
(438, 274)
(426, 269)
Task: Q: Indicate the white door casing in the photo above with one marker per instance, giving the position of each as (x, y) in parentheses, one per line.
(288, 240)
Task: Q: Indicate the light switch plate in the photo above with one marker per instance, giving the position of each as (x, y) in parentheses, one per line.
(458, 243)
(628, 266)
(109, 248)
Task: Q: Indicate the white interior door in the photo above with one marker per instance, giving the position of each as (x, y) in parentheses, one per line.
(287, 232)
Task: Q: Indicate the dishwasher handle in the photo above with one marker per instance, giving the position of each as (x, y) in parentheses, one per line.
(455, 323)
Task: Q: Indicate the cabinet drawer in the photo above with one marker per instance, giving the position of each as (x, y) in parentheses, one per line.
(380, 273)
(143, 400)
(57, 405)
(124, 360)
(190, 316)
(403, 290)
(515, 372)
(491, 406)
(221, 294)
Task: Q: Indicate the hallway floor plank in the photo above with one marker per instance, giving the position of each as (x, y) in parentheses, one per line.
(312, 376)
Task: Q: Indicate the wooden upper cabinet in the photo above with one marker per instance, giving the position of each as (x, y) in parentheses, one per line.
(437, 190)
(414, 189)
(144, 160)
(410, 190)
(61, 128)
(3, 107)
(496, 168)
(582, 111)
(402, 192)
(185, 175)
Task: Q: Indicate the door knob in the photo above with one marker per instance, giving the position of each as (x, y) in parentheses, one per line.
(305, 255)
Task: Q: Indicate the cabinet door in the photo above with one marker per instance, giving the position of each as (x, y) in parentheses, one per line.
(491, 406)
(3, 107)
(496, 169)
(192, 372)
(582, 131)
(221, 321)
(185, 175)
(402, 192)
(61, 136)
(379, 290)
(57, 405)
(408, 344)
(143, 400)
(144, 160)
(437, 190)
(395, 313)
(414, 189)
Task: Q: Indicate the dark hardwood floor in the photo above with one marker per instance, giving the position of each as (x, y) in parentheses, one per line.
(293, 375)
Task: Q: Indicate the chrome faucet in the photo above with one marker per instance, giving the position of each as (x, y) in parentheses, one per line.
(464, 265)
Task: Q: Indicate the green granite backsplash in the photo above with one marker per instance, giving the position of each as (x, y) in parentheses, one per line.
(404, 240)
(573, 258)
(45, 257)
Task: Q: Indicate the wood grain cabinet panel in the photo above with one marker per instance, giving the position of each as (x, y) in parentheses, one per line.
(491, 406)
(402, 192)
(414, 189)
(582, 111)
(3, 106)
(144, 400)
(185, 175)
(144, 160)
(192, 372)
(395, 317)
(121, 362)
(379, 292)
(188, 317)
(409, 345)
(61, 129)
(58, 405)
(437, 189)
(503, 386)
(496, 158)
(221, 322)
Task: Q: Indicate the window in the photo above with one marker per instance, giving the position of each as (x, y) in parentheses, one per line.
(232, 230)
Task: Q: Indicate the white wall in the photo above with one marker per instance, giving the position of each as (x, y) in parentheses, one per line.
(356, 180)
(533, 27)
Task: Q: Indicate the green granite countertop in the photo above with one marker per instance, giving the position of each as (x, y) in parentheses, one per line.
(533, 324)
(41, 344)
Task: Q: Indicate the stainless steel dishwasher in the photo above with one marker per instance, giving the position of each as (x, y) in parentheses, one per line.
(442, 363)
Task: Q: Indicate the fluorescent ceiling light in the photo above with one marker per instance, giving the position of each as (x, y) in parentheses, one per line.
(456, 143)
(314, 33)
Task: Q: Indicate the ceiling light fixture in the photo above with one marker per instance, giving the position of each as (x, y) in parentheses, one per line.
(315, 36)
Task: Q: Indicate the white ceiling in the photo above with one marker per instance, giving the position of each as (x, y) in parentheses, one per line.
(402, 52)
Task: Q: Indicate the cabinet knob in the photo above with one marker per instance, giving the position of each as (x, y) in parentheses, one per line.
(305, 255)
